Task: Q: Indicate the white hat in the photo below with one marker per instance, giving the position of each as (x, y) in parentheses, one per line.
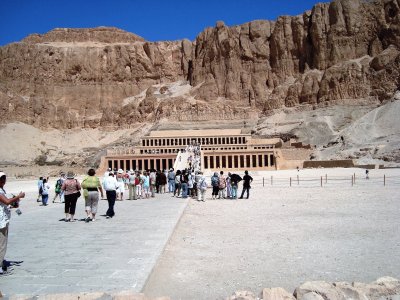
(120, 171)
(2, 174)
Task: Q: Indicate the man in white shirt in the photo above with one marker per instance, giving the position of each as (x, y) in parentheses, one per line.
(110, 185)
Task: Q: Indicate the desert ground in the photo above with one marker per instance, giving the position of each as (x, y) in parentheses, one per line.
(281, 236)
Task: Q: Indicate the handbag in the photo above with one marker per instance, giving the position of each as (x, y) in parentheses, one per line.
(79, 192)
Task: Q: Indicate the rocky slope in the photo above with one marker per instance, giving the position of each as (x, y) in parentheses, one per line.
(66, 78)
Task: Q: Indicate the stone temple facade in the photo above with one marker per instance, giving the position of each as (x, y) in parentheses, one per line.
(221, 149)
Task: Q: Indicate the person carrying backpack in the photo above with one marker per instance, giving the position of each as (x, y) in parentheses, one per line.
(215, 186)
(222, 185)
(57, 189)
(201, 188)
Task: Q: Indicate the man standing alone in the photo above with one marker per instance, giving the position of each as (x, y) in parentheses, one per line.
(247, 179)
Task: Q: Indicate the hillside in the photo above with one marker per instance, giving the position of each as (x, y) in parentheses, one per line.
(337, 53)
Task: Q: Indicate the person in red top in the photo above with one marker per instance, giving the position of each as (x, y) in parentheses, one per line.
(71, 188)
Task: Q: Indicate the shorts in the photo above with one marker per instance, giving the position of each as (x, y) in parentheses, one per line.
(92, 201)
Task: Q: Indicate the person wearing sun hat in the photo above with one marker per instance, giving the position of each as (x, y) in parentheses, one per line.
(5, 215)
(71, 188)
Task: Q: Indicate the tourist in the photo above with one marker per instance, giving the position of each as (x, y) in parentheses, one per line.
(158, 181)
(57, 188)
(121, 184)
(45, 192)
(202, 187)
(139, 184)
(110, 185)
(197, 178)
(91, 187)
(184, 183)
(71, 188)
(146, 185)
(247, 179)
(190, 183)
(5, 215)
(152, 179)
(107, 173)
(228, 186)
(177, 183)
(132, 186)
(222, 185)
(39, 185)
(215, 186)
(171, 181)
(235, 179)
(163, 182)
(126, 179)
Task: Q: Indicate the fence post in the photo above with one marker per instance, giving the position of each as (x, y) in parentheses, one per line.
(326, 178)
(298, 180)
(352, 180)
(271, 179)
(263, 181)
(290, 181)
(321, 181)
(384, 180)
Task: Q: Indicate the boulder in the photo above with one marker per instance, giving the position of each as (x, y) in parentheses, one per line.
(276, 294)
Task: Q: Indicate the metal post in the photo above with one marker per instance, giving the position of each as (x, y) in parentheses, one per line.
(297, 179)
(321, 181)
(384, 180)
(263, 181)
(290, 181)
(326, 178)
(352, 180)
(271, 180)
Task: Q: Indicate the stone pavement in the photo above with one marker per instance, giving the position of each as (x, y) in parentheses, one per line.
(107, 255)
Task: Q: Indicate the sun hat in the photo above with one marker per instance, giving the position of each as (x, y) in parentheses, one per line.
(2, 174)
(70, 175)
(120, 171)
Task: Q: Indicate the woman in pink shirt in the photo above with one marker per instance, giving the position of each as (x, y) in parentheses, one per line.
(71, 188)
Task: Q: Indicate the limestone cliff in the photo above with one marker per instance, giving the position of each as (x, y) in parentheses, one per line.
(66, 78)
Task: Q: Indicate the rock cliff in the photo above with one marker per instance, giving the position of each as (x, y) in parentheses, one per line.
(67, 78)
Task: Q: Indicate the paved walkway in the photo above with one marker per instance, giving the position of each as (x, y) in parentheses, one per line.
(106, 255)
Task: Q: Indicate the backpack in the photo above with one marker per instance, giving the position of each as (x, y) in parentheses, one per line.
(137, 181)
(203, 185)
(222, 182)
(214, 181)
(58, 186)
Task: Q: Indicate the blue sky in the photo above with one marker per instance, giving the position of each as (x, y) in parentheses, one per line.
(153, 20)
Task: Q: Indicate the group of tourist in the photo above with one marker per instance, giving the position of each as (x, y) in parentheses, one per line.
(186, 184)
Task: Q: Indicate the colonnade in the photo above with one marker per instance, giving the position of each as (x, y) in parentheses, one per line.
(235, 140)
(240, 161)
(141, 163)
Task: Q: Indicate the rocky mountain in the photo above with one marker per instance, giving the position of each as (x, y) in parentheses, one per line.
(67, 78)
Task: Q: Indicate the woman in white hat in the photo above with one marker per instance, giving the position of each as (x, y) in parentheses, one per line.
(121, 184)
(5, 215)
(72, 191)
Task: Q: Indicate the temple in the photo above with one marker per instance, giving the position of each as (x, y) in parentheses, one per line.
(227, 149)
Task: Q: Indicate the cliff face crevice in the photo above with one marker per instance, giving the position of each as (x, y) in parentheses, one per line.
(346, 49)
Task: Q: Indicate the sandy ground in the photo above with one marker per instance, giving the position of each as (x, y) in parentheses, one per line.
(284, 236)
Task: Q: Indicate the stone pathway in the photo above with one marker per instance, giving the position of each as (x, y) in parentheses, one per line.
(107, 255)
